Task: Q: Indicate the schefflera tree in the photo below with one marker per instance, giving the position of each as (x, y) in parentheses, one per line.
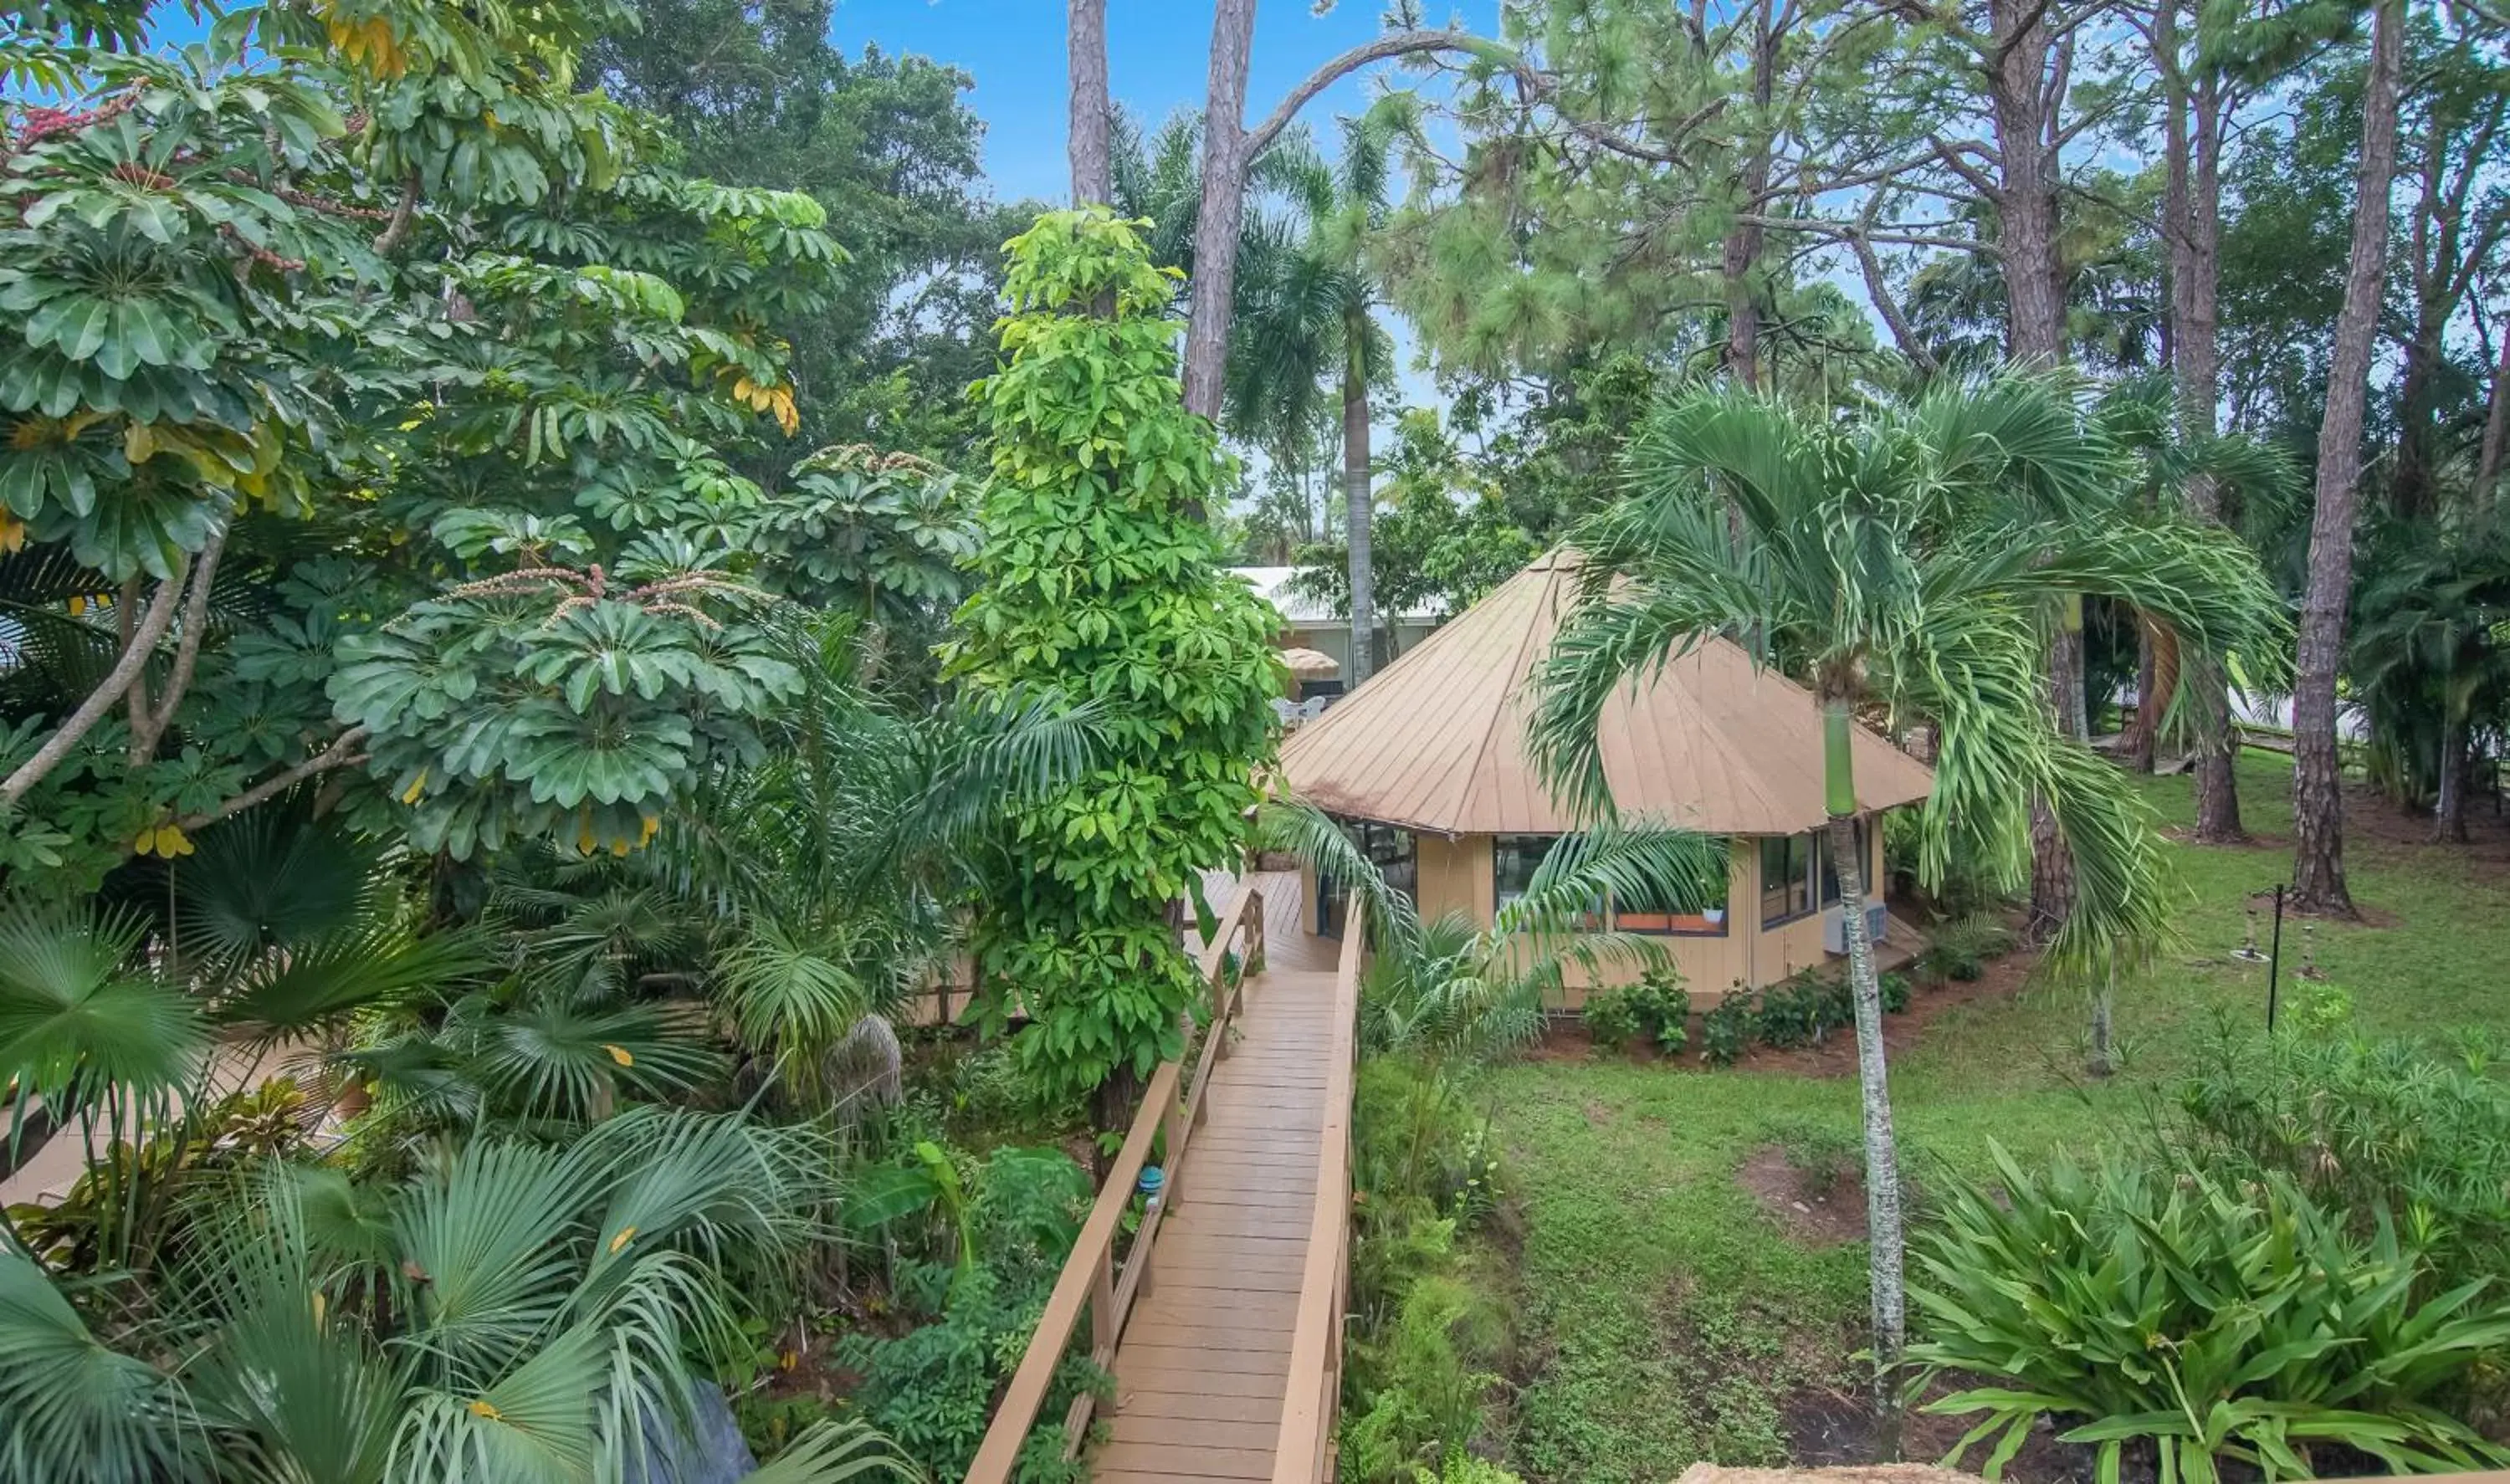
(1101, 585)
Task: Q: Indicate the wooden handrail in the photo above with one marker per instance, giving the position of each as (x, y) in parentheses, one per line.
(1303, 1447)
(1091, 1278)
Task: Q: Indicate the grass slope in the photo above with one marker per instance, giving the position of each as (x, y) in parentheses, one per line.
(1663, 1317)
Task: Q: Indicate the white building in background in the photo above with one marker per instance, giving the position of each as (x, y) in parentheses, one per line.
(1311, 624)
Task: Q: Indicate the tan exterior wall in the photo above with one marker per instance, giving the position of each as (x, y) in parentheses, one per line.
(1455, 875)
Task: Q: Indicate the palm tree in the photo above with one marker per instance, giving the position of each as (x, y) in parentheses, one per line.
(1307, 317)
(1874, 561)
(2427, 667)
(519, 1311)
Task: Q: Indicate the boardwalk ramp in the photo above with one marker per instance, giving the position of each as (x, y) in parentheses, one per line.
(1221, 1320)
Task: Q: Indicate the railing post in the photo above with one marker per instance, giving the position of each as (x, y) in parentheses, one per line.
(1172, 1123)
(1104, 1331)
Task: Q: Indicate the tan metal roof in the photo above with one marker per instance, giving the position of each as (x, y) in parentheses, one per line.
(1437, 741)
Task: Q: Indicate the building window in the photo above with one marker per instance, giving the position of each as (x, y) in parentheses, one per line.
(1786, 878)
(1700, 916)
(1514, 861)
(1394, 853)
(1514, 858)
(1829, 865)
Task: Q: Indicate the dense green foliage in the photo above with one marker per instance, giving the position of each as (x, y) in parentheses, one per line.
(2216, 1321)
(520, 1312)
(2368, 1128)
(1101, 583)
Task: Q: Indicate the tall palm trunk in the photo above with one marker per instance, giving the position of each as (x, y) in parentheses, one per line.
(1885, 1258)
(2317, 800)
(1358, 505)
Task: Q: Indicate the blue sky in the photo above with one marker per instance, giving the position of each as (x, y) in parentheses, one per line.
(1158, 58)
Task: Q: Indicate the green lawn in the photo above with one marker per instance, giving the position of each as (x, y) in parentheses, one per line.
(1662, 1318)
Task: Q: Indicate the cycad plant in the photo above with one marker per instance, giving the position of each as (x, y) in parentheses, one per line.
(516, 1312)
(1906, 565)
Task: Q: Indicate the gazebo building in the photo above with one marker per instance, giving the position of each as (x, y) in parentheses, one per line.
(1426, 766)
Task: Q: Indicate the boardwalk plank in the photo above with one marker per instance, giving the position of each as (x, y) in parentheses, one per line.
(1202, 1369)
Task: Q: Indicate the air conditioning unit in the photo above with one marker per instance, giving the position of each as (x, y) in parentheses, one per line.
(1834, 926)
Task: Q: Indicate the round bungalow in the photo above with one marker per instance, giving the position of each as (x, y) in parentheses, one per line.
(1426, 766)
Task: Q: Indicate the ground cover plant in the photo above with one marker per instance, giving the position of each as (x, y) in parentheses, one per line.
(1665, 1313)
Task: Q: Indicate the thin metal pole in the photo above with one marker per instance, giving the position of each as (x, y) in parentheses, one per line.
(2274, 960)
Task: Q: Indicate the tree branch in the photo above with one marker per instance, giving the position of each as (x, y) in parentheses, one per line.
(117, 683)
(1392, 44)
(342, 753)
(1878, 289)
(150, 726)
(1949, 153)
(1842, 232)
(397, 230)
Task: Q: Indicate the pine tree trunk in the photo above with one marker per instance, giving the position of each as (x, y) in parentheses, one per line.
(2026, 208)
(1743, 242)
(1886, 1256)
(1217, 215)
(2135, 748)
(1359, 506)
(1094, 179)
(2318, 804)
(2024, 105)
(2496, 428)
(2052, 865)
(2192, 214)
(2217, 760)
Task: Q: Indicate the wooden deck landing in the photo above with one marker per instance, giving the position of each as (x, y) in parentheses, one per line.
(1204, 1367)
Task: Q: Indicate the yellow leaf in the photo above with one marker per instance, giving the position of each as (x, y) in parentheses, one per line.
(619, 845)
(620, 1054)
(13, 534)
(652, 823)
(626, 1236)
(321, 1301)
(139, 442)
(171, 842)
(481, 1408)
(78, 604)
(146, 844)
(417, 787)
(788, 1360)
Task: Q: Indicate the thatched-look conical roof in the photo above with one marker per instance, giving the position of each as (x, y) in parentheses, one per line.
(1438, 741)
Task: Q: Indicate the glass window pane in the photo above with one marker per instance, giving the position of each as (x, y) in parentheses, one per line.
(1700, 912)
(1786, 878)
(1513, 860)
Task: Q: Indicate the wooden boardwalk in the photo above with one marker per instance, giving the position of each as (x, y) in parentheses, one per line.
(1203, 1368)
(1221, 1320)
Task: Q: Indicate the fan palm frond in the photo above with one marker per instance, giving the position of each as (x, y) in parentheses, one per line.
(833, 1452)
(73, 1409)
(80, 1026)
